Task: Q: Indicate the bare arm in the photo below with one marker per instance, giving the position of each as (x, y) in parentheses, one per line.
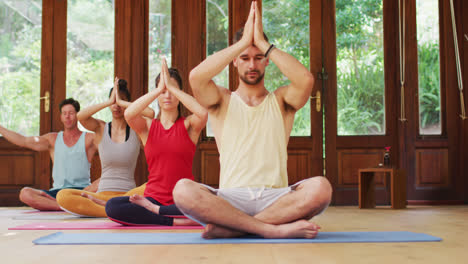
(133, 115)
(204, 89)
(93, 187)
(37, 143)
(297, 93)
(147, 112)
(85, 115)
(200, 114)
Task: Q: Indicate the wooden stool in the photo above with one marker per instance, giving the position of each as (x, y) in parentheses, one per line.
(366, 187)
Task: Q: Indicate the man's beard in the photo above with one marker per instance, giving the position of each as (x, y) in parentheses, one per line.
(254, 82)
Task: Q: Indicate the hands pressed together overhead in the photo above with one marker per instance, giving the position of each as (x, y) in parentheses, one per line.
(253, 29)
(114, 95)
(166, 82)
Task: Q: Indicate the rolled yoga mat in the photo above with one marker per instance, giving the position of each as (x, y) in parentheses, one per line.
(195, 238)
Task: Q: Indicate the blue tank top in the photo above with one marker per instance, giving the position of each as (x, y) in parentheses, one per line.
(71, 165)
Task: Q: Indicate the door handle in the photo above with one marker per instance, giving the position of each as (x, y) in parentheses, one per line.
(46, 99)
(318, 101)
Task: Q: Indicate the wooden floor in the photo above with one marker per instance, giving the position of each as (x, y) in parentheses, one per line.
(448, 222)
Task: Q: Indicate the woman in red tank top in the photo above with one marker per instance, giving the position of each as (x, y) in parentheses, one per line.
(170, 142)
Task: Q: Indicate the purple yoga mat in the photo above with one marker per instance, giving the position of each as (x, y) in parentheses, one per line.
(79, 225)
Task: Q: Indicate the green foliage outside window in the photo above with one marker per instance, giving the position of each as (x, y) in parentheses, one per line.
(427, 13)
(429, 85)
(159, 41)
(286, 23)
(90, 60)
(217, 33)
(20, 62)
(360, 67)
(90, 52)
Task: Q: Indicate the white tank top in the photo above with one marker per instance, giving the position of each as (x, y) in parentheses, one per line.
(253, 149)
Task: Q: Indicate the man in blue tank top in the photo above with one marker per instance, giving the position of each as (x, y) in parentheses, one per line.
(71, 151)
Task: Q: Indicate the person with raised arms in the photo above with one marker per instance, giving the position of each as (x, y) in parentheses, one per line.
(252, 128)
(71, 151)
(170, 143)
(118, 146)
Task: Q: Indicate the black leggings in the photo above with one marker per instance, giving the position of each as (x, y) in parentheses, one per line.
(121, 210)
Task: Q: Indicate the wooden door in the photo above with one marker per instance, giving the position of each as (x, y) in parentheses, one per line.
(22, 167)
(430, 161)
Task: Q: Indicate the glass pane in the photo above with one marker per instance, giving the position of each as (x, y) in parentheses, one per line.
(159, 41)
(90, 52)
(286, 23)
(360, 67)
(427, 15)
(20, 65)
(217, 24)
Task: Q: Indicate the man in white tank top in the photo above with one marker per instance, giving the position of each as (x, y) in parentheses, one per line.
(64, 178)
(252, 128)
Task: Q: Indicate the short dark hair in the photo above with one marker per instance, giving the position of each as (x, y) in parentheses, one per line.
(239, 33)
(70, 101)
(122, 89)
(173, 73)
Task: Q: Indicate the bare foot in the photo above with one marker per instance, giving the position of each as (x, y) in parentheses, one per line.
(184, 222)
(46, 195)
(94, 199)
(214, 231)
(143, 202)
(298, 229)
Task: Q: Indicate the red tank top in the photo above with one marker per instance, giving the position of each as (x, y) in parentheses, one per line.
(169, 155)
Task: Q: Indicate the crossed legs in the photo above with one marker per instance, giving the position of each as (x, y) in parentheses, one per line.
(38, 199)
(83, 203)
(285, 218)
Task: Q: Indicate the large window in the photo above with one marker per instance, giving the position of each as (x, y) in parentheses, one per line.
(20, 65)
(217, 28)
(159, 40)
(90, 52)
(286, 23)
(360, 67)
(427, 15)
(217, 23)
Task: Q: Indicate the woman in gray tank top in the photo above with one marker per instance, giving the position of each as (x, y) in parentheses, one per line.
(118, 146)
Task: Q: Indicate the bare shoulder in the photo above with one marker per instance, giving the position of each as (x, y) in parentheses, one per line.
(225, 95)
(281, 90)
(280, 94)
(89, 137)
(224, 91)
(100, 129)
(90, 145)
(101, 123)
(149, 122)
(51, 137)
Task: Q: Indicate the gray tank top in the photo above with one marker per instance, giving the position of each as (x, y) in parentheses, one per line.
(118, 161)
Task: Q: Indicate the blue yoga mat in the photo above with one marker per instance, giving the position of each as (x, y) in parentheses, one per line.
(60, 238)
